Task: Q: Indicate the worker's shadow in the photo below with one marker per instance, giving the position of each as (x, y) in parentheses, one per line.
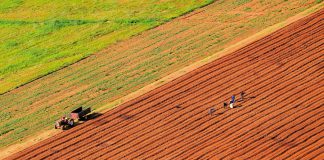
(219, 113)
(246, 99)
(238, 106)
(125, 116)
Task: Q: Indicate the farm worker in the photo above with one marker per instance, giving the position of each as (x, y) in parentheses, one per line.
(242, 95)
(211, 111)
(232, 102)
(233, 98)
(225, 105)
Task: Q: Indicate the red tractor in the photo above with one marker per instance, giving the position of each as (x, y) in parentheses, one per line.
(64, 123)
(75, 116)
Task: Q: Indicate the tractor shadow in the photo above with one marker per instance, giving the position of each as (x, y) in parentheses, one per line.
(90, 116)
(94, 115)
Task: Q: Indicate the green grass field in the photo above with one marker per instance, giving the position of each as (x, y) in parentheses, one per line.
(38, 37)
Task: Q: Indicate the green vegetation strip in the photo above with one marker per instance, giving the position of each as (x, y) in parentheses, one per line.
(36, 40)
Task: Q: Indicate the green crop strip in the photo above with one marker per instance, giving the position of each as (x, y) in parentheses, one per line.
(36, 41)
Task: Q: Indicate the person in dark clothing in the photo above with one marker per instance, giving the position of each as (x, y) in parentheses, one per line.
(211, 111)
(232, 102)
(225, 105)
(242, 95)
(233, 99)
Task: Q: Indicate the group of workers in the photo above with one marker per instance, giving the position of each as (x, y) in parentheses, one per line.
(231, 103)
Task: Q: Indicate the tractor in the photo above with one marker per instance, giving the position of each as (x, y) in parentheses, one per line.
(74, 117)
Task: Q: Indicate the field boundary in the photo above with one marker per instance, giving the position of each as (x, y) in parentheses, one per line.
(44, 135)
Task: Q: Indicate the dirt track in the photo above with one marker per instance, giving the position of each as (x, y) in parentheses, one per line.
(281, 117)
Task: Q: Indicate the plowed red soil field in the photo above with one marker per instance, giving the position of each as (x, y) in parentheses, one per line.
(281, 116)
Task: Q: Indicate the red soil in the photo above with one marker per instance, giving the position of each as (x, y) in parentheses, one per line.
(281, 117)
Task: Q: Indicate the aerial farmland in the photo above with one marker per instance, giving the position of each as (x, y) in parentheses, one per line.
(161, 79)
